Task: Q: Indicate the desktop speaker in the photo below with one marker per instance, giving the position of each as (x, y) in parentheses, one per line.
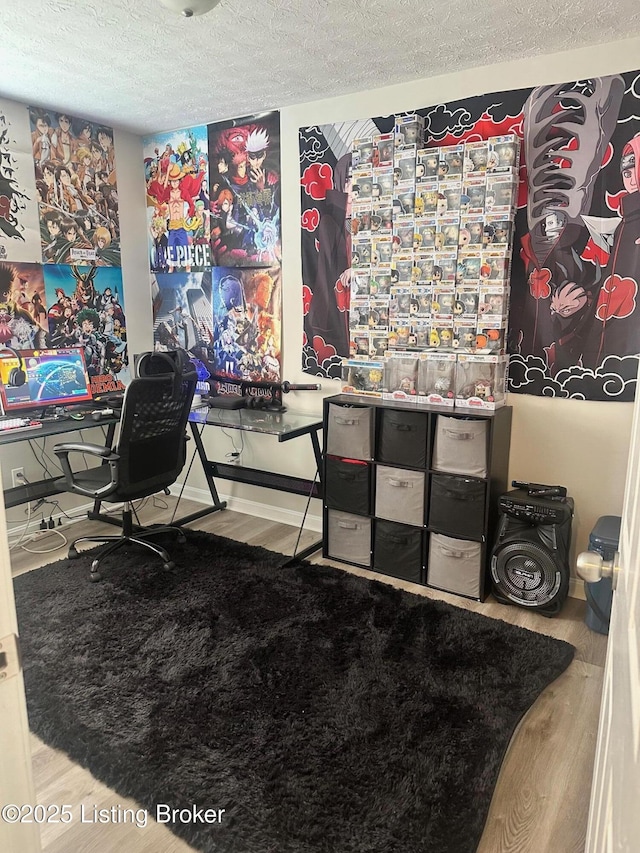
(530, 558)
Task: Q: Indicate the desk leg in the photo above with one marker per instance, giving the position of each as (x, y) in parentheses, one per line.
(316, 546)
(206, 467)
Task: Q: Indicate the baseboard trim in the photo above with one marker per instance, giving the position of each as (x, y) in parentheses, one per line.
(255, 508)
(576, 589)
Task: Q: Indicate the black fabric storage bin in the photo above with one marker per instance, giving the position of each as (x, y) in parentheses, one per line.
(349, 431)
(403, 438)
(457, 506)
(347, 485)
(398, 550)
(349, 537)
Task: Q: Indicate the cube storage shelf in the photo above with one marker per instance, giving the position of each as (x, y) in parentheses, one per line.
(412, 491)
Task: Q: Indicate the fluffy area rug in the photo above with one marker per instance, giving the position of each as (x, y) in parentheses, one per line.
(323, 712)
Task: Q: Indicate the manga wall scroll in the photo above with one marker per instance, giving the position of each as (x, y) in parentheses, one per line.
(574, 324)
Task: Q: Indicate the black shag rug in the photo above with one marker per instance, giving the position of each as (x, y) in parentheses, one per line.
(324, 712)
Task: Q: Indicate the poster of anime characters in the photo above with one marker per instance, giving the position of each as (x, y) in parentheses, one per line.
(247, 334)
(574, 318)
(176, 168)
(23, 312)
(183, 316)
(85, 308)
(19, 224)
(245, 191)
(75, 174)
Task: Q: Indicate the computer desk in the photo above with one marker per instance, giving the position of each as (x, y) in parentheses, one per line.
(286, 426)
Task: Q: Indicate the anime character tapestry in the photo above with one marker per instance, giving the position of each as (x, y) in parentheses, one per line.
(75, 172)
(85, 309)
(247, 310)
(178, 213)
(574, 322)
(19, 226)
(183, 316)
(245, 191)
(23, 311)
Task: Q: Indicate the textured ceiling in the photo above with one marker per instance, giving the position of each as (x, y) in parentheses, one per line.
(139, 66)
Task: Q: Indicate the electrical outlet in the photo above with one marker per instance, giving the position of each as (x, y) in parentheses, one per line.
(17, 476)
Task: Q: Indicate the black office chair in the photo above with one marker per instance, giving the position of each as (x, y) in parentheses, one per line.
(149, 454)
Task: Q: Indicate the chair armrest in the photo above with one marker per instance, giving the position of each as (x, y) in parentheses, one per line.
(62, 451)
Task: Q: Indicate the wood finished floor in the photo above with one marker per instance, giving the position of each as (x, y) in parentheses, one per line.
(541, 800)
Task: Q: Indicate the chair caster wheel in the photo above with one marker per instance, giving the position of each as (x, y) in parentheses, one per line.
(169, 566)
(73, 553)
(95, 577)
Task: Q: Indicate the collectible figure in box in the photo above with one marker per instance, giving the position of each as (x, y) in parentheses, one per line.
(404, 165)
(475, 157)
(399, 331)
(466, 304)
(400, 377)
(404, 267)
(481, 381)
(422, 329)
(381, 250)
(504, 154)
(490, 336)
(403, 231)
(436, 378)
(426, 200)
(494, 268)
(380, 281)
(424, 263)
(442, 299)
(409, 130)
(424, 294)
(383, 180)
(404, 199)
(379, 344)
(501, 194)
(471, 233)
(379, 315)
(362, 377)
(425, 234)
(444, 268)
(451, 192)
(427, 160)
(361, 252)
(383, 148)
(382, 218)
(359, 313)
(464, 335)
(453, 157)
(360, 283)
(361, 219)
(441, 334)
(449, 229)
(362, 186)
(400, 304)
(475, 189)
(363, 149)
(360, 346)
(468, 269)
(498, 231)
(494, 302)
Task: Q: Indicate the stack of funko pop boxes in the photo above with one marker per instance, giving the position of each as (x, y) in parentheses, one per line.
(432, 235)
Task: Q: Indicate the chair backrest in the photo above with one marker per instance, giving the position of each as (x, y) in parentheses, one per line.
(152, 439)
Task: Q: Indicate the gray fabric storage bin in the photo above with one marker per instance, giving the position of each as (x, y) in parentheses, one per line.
(397, 550)
(349, 537)
(402, 438)
(456, 505)
(461, 446)
(349, 431)
(454, 565)
(400, 495)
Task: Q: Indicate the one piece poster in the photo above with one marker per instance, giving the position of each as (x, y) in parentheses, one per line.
(176, 168)
(19, 223)
(86, 309)
(76, 181)
(574, 319)
(247, 333)
(245, 191)
(23, 309)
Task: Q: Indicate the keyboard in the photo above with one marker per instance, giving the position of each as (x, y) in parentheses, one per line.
(18, 425)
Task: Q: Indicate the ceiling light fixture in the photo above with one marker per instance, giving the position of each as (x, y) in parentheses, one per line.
(189, 8)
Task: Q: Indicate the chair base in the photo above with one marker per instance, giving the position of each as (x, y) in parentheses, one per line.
(127, 538)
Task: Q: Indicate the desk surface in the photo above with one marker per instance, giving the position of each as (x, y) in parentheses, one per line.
(285, 425)
(56, 426)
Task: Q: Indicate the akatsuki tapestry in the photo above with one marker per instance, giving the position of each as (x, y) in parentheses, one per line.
(176, 168)
(76, 181)
(245, 191)
(19, 226)
(574, 324)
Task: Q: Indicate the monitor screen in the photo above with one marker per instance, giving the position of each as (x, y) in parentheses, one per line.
(54, 377)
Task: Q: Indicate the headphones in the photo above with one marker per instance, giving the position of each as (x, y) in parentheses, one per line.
(17, 375)
(173, 362)
(265, 403)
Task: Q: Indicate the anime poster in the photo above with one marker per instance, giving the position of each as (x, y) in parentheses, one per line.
(247, 334)
(23, 310)
(183, 313)
(19, 224)
(85, 308)
(176, 168)
(574, 320)
(245, 191)
(76, 182)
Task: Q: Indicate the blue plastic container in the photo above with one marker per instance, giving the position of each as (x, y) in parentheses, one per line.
(604, 539)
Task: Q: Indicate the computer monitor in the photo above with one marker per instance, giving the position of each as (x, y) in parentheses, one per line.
(53, 377)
